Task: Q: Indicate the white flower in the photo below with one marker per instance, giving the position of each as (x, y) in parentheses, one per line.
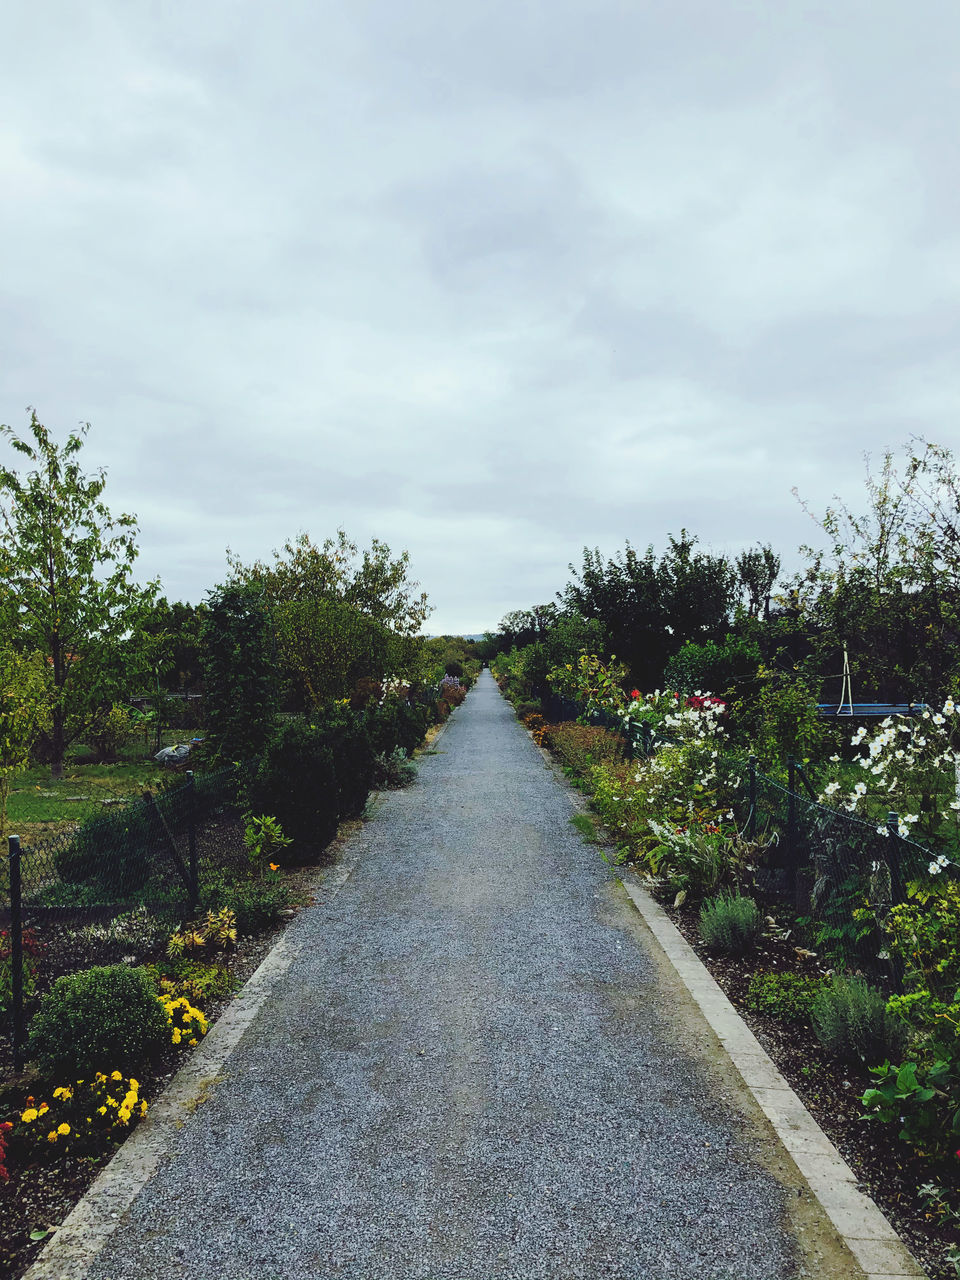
(831, 787)
(860, 789)
(911, 817)
(874, 867)
(834, 759)
(903, 830)
(934, 869)
(943, 861)
(882, 830)
(885, 724)
(948, 707)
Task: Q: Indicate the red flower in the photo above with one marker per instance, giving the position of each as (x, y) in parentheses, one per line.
(635, 695)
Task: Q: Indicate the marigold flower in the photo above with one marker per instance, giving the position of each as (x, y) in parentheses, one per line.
(52, 1135)
(115, 1075)
(29, 1115)
(63, 1129)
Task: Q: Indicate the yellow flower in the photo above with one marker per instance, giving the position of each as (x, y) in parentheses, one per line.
(274, 866)
(115, 1075)
(176, 1035)
(29, 1115)
(112, 1102)
(42, 1109)
(143, 1108)
(52, 1135)
(124, 1115)
(63, 1092)
(130, 1100)
(194, 1041)
(101, 1111)
(134, 1084)
(63, 1128)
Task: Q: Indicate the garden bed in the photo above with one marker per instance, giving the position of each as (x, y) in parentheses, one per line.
(886, 1169)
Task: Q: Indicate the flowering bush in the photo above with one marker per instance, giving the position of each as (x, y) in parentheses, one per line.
(78, 1117)
(580, 746)
(598, 686)
(910, 765)
(187, 1024)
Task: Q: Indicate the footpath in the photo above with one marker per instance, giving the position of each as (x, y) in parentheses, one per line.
(473, 1064)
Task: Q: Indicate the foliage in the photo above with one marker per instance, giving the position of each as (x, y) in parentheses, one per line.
(699, 857)
(851, 1021)
(111, 730)
(264, 840)
(296, 779)
(24, 713)
(101, 1015)
(580, 746)
(910, 764)
(780, 722)
(787, 996)
(394, 770)
(108, 850)
(344, 733)
(198, 980)
(254, 903)
(596, 685)
(370, 582)
(66, 566)
(394, 723)
(648, 607)
(924, 934)
(730, 923)
(729, 666)
(241, 693)
(80, 1117)
(31, 952)
(215, 931)
(924, 1099)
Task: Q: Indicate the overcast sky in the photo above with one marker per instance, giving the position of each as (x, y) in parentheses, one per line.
(489, 281)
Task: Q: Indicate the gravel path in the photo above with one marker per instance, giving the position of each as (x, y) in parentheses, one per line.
(473, 1070)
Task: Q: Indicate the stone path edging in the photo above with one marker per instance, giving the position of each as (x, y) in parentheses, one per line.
(865, 1231)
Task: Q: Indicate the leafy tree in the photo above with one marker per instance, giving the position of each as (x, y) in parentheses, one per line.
(372, 582)
(66, 569)
(24, 712)
(757, 570)
(240, 671)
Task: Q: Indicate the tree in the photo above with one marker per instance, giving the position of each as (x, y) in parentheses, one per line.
(66, 585)
(24, 710)
(241, 692)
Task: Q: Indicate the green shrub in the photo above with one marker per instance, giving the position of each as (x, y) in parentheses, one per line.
(788, 996)
(111, 850)
(394, 770)
(851, 1021)
(396, 724)
(296, 781)
(344, 732)
(102, 1019)
(528, 707)
(730, 923)
(255, 903)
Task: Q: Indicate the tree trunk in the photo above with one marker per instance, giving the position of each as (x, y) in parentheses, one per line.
(57, 744)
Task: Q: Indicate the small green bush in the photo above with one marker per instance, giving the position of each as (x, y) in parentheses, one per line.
(255, 903)
(102, 1019)
(730, 923)
(851, 1021)
(344, 732)
(396, 724)
(394, 770)
(788, 996)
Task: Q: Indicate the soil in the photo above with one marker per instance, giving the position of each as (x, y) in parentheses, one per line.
(887, 1169)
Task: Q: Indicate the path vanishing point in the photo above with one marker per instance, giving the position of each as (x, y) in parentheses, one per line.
(473, 1063)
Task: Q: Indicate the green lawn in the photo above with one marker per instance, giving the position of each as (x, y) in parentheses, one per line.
(38, 804)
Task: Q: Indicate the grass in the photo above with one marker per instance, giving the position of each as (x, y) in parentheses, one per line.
(586, 824)
(39, 804)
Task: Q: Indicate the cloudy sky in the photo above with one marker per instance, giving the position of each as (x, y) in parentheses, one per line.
(489, 281)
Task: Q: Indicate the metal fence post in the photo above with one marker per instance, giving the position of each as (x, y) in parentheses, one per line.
(192, 841)
(792, 823)
(752, 815)
(16, 954)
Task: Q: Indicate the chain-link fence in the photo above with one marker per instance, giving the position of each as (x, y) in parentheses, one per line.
(142, 860)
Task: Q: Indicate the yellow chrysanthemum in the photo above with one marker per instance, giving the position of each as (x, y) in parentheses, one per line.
(101, 1111)
(143, 1108)
(63, 1129)
(29, 1115)
(134, 1084)
(115, 1075)
(43, 1109)
(52, 1135)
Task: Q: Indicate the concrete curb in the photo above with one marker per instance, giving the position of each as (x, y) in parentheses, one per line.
(87, 1228)
(862, 1227)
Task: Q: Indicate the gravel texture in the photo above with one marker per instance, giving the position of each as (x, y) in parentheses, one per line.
(472, 1070)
